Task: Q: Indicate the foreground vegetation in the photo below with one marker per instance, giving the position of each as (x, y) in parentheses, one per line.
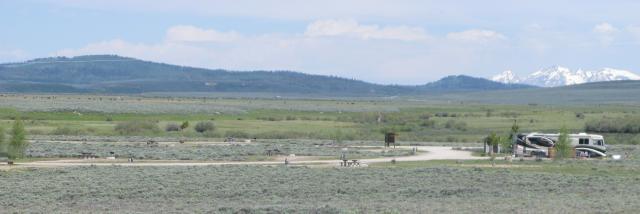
(432, 187)
(210, 152)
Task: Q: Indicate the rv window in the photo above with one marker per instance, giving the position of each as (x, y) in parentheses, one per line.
(599, 142)
(583, 141)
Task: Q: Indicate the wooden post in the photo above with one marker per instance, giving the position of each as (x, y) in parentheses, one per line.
(552, 152)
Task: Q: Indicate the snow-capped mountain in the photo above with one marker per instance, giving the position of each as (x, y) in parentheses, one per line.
(507, 77)
(561, 76)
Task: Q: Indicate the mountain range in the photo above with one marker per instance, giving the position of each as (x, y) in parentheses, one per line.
(561, 76)
(116, 74)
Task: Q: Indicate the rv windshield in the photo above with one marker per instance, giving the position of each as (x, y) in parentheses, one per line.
(600, 142)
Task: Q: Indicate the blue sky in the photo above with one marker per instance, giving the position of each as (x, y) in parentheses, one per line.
(399, 42)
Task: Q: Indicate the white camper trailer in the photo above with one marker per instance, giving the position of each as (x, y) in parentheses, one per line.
(538, 144)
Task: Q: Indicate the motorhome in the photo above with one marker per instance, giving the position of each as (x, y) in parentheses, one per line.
(538, 144)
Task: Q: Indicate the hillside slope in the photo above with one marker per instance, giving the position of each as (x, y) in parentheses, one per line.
(467, 83)
(613, 92)
(115, 74)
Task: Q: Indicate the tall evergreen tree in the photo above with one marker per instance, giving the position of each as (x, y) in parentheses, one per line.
(18, 143)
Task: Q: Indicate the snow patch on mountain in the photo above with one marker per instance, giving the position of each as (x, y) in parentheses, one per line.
(507, 77)
(562, 76)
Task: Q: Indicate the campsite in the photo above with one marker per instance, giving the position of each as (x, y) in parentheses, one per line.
(287, 152)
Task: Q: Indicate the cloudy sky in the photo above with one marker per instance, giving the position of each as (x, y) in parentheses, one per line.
(390, 42)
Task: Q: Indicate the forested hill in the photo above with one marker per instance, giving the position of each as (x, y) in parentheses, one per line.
(467, 83)
(115, 74)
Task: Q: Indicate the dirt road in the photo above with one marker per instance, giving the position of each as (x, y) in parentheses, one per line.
(424, 153)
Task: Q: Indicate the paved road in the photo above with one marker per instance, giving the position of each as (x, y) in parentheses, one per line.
(425, 153)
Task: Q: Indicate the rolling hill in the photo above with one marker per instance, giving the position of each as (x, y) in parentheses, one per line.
(115, 74)
(590, 94)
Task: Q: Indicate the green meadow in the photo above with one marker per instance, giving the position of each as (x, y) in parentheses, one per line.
(425, 121)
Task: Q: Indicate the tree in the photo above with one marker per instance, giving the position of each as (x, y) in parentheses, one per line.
(3, 145)
(563, 146)
(18, 143)
(492, 140)
(514, 129)
(508, 143)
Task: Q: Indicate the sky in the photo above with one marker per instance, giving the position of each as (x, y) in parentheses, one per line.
(404, 42)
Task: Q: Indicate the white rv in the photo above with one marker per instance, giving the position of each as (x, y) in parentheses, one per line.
(589, 145)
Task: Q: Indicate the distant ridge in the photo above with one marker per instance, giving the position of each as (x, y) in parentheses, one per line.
(468, 83)
(116, 74)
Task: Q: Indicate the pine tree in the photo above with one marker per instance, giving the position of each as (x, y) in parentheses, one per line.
(17, 144)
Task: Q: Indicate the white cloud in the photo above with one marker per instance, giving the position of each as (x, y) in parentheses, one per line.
(162, 52)
(606, 33)
(188, 33)
(352, 29)
(605, 28)
(476, 35)
(338, 48)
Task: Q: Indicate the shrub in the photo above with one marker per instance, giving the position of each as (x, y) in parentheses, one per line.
(172, 127)
(459, 125)
(68, 131)
(442, 114)
(184, 125)
(237, 134)
(205, 126)
(290, 118)
(425, 116)
(489, 113)
(136, 127)
(269, 118)
(614, 125)
(428, 124)
(211, 134)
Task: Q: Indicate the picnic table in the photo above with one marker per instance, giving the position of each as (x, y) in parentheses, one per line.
(349, 163)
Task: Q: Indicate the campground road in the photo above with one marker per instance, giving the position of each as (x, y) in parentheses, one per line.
(424, 153)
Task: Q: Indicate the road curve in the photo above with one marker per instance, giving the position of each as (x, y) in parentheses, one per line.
(425, 153)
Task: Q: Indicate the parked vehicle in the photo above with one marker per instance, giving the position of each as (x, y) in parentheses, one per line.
(538, 144)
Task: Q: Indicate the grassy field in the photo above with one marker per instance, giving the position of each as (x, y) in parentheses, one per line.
(300, 119)
(62, 126)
